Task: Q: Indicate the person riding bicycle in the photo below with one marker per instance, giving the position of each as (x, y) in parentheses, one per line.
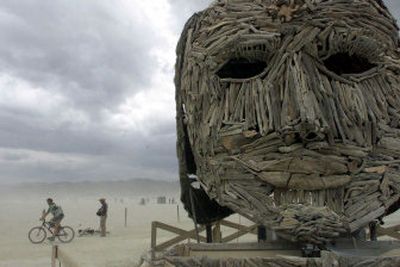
(58, 215)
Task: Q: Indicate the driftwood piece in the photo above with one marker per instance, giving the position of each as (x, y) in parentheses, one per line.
(291, 108)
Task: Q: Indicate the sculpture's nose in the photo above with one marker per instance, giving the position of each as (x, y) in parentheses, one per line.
(305, 132)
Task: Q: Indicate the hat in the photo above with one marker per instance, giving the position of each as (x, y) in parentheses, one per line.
(102, 199)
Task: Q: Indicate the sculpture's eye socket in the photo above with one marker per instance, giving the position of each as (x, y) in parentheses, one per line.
(344, 63)
(241, 68)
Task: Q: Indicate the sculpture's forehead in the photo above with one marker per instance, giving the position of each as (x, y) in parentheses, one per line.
(220, 20)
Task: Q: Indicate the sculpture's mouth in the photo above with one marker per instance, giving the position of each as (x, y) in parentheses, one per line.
(299, 173)
(288, 163)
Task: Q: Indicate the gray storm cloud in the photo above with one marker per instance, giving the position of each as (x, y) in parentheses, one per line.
(86, 88)
(84, 49)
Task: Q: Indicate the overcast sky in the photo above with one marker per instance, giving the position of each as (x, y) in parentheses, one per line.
(86, 88)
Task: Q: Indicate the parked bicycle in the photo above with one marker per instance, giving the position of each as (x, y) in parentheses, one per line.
(39, 233)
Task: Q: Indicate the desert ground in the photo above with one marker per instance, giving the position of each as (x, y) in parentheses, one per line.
(123, 246)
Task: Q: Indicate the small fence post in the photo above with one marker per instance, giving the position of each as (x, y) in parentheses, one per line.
(209, 233)
(177, 213)
(217, 235)
(261, 234)
(126, 217)
(54, 252)
(153, 239)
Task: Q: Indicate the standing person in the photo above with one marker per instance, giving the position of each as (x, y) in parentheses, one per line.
(102, 212)
(58, 215)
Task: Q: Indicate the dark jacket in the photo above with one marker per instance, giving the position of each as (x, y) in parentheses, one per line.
(103, 210)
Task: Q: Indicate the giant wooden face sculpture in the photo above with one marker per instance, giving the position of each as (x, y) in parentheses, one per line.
(289, 112)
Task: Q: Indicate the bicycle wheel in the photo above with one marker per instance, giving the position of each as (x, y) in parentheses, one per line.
(37, 235)
(66, 234)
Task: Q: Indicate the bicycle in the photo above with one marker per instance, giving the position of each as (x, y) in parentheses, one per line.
(38, 233)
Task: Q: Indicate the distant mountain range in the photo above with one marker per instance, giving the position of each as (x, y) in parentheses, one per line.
(128, 188)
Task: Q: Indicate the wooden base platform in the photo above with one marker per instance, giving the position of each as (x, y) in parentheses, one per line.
(345, 253)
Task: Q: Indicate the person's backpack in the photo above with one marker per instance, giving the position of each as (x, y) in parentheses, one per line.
(100, 212)
(58, 211)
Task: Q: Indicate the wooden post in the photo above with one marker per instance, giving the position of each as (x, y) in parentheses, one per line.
(153, 239)
(209, 233)
(261, 233)
(54, 251)
(217, 236)
(194, 214)
(177, 213)
(126, 217)
(372, 231)
(240, 222)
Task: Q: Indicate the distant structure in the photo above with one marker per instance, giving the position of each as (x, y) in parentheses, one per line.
(161, 200)
(288, 112)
